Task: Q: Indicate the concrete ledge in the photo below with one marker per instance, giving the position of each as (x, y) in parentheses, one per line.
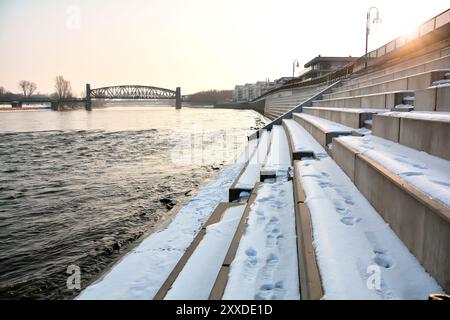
(421, 223)
(431, 136)
(296, 155)
(215, 217)
(443, 99)
(222, 278)
(350, 117)
(309, 275)
(345, 157)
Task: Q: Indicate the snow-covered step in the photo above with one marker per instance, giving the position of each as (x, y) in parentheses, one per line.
(321, 129)
(195, 273)
(264, 264)
(411, 191)
(358, 255)
(251, 173)
(278, 159)
(351, 117)
(379, 100)
(300, 145)
(424, 131)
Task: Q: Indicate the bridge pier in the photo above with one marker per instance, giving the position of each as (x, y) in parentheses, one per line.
(16, 104)
(178, 98)
(88, 104)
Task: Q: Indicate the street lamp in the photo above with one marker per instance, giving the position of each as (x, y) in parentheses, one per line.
(294, 64)
(376, 20)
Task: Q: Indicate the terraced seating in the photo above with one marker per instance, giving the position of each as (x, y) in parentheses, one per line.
(209, 245)
(300, 146)
(410, 189)
(279, 103)
(261, 262)
(424, 66)
(424, 131)
(382, 100)
(350, 117)
(435, 98)
(321, 129)
(412, 82)
(250, 174)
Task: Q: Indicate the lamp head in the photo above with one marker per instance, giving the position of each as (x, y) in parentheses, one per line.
(297, 65)
(377, 18)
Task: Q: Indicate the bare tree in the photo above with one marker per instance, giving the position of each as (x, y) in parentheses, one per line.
(27, 87)
(63, 87)
(2, 91)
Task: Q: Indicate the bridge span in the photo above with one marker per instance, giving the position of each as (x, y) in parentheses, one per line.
(128, 92)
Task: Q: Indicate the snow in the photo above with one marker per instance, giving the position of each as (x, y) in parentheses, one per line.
(140, 273)
(324, 124)
(421, 115)
(404, 106)
(352, 242)
(441, 82)
(251, 174)
(358, 255)
(363, 131)
(427, 173)
(265, 266)
(300, 140)
(197, 278)
(278, 160)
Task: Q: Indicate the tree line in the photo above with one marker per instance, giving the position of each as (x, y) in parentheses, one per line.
(63, 89)
(210, 96)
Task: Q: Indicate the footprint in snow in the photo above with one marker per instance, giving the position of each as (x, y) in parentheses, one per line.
(279, 291)
(265, 292)
(271, 241)
(349, 221)
(411, 173)
(267, 271)
(382, 259)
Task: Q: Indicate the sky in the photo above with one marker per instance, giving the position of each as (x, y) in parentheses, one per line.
(195, 44)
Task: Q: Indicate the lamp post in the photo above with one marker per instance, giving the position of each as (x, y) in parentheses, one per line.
(294, 64)
(376, 20)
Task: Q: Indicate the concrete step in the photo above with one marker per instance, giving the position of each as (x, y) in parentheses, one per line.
(404, 64)
(383, 100)
(321, 129)
(423, 131)
(439, 63)
(250, 174)
(350, 117)
(436, 98)
(413, 82)
(300, 146)
(213, 266)
(278, 161)
(266, 233)
(409, 189)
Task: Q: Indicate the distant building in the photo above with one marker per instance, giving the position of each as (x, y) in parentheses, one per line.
(320, 66)
(251, 91)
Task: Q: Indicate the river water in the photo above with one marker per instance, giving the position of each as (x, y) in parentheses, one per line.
(81, 188)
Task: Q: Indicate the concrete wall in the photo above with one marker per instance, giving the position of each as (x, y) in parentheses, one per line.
(424, 135)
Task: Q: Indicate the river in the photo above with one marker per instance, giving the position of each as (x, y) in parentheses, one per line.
(83, 187)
